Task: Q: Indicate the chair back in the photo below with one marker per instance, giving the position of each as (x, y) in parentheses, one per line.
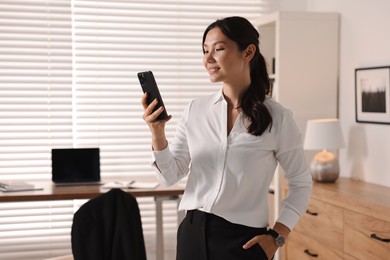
(108, 227)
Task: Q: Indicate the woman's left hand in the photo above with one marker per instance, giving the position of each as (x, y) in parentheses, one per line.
(266, 242)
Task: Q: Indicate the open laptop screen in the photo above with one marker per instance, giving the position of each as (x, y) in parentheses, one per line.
(75, 165)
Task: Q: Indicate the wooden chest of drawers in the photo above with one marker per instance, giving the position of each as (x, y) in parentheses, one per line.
(345, 220)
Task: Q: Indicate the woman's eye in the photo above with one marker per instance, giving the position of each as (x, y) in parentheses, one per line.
(220, 49)
(205, 52)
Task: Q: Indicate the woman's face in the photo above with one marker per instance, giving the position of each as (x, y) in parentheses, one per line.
(222, 58)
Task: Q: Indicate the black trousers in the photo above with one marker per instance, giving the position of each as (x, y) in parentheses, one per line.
(205, 236)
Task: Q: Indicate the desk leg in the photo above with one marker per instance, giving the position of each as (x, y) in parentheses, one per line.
(159, 229)
(159, 223)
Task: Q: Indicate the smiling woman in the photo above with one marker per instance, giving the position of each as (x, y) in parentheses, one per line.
(228, 177)
(67, 80)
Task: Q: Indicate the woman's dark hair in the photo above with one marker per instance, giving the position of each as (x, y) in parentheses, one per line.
(241, 31)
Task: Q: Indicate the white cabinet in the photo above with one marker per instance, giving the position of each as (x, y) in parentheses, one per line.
(304, 47)
(302, 53)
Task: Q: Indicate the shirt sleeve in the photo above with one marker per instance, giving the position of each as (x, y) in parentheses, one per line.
(172, 163)
(293, 161)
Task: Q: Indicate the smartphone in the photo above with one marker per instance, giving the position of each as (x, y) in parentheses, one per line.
(148, 84)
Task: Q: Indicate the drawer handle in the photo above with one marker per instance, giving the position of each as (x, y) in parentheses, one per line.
(386, 240)
(310, 254)
(311, 213)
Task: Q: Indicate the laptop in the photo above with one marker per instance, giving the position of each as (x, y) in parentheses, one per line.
(76, 166)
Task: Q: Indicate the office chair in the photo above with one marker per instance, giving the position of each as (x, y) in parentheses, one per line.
(108, 227)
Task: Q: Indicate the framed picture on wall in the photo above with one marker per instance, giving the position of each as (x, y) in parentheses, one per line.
(372, 95)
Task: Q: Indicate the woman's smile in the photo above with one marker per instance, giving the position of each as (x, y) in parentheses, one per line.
(213, 70)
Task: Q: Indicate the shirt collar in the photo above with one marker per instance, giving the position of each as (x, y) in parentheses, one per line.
(218, 97)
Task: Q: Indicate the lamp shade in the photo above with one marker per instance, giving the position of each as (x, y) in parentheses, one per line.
(323, 134)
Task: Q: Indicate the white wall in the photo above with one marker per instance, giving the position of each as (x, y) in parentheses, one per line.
(365, 42)
(292, 5)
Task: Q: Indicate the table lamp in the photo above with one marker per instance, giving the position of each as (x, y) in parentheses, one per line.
(324, 134)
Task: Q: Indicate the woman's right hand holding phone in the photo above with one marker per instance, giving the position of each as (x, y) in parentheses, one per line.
(157, 127)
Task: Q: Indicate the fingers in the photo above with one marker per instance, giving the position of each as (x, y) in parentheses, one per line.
(150, 116)
(149, 108)
(143, 100)
(167, 119)
(266, 242)
(251, 242)
(153, 116)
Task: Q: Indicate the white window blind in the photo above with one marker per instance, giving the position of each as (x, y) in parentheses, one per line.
(68, 79)
(35, 85)
(113, 40)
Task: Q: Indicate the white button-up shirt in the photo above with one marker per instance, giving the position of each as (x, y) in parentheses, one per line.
(230, 175)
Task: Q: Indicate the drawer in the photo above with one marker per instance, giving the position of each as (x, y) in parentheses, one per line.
(324, 223)
(303, 247)
(357, 236)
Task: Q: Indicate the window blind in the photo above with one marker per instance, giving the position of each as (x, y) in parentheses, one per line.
(68, 79)
(113, 40)
(35, 85)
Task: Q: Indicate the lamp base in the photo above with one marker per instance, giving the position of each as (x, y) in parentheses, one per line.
(325, 167)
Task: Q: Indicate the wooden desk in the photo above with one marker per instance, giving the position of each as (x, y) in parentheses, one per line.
(53, 192)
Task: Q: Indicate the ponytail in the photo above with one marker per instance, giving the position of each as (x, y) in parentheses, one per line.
(252, 102)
